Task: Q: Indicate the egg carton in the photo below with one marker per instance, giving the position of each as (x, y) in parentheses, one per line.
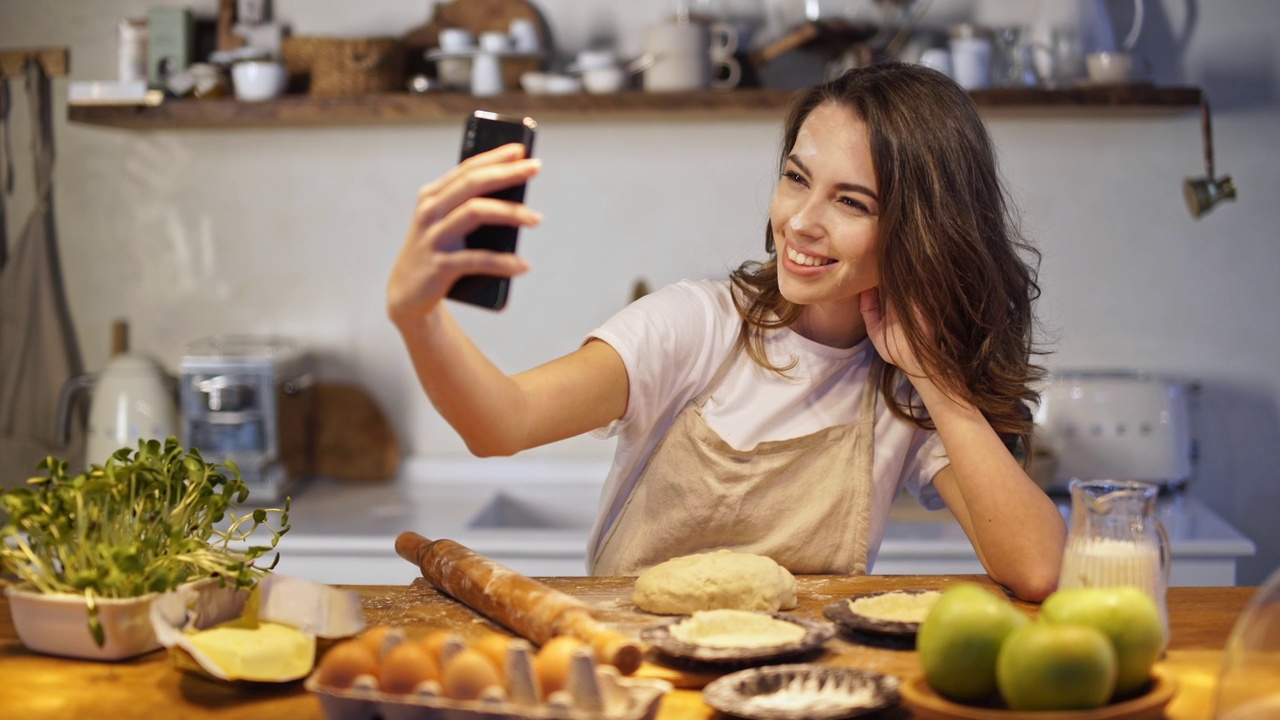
(592, 692)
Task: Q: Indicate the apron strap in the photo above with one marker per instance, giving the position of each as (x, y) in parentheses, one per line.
(738, 344)
(40, 101)
(6, 169)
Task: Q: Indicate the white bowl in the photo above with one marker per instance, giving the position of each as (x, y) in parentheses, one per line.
(258, 80)
(534, 83)
(563, 85)
(58, 624)
(604, 80)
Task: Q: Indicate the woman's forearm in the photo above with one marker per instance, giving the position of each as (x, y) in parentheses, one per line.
(480, 402)
(1016, 529)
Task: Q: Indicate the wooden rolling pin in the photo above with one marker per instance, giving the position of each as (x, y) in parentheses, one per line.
(523, 605)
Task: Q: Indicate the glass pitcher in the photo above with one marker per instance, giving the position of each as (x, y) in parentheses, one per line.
(1115, 539)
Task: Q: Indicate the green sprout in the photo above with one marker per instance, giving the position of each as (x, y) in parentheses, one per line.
(144, 522)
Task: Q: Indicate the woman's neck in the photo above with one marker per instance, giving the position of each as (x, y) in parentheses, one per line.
(831, 326)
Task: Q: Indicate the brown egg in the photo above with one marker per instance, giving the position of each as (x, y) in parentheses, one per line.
(551, 665)
(372, 638)
(435, 641)
(467, 674)
(406, 666)
(493, 645)
(344, 662)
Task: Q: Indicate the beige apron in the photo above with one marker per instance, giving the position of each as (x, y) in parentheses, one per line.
(805, 502)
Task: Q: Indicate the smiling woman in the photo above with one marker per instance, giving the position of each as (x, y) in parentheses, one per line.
(884, 345)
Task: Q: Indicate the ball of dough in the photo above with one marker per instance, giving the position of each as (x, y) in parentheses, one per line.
(720, 580)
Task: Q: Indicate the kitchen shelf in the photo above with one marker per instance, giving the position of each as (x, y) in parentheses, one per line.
(406, 108)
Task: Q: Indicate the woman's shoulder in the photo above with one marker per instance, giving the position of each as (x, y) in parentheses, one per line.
(687, 311)
(706, 301)
(711, 291)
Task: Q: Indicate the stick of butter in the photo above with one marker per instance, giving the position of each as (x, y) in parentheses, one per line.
(269, 652)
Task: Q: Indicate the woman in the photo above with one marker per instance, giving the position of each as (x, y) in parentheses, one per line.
(884, 345)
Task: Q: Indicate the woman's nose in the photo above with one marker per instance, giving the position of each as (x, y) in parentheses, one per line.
(806, 218)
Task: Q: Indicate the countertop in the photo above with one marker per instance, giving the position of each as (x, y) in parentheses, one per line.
(38, 687)
(539, 524)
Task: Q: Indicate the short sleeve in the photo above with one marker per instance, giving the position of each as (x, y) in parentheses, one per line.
(670, 342)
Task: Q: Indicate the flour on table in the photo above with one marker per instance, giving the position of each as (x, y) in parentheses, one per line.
(718, 580)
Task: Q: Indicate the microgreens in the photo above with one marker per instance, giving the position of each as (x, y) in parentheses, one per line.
(144, 522)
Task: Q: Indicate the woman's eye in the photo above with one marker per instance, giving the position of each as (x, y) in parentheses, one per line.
(855, 204)
(794, 177)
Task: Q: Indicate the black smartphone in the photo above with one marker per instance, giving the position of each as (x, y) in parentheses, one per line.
(486, 131)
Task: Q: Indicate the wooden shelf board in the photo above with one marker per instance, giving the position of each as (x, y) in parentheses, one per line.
(405, 108)
(56, 61)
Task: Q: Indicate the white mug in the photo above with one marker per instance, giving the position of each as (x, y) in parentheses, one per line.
(677, 57)
(524, 36)
(256, 80)
(454, 40)
(726, 69)
(726, 73)
(724, 40)
(1114, 67)
(606, 79)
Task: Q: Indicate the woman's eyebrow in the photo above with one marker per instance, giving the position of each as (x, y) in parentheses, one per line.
(846, 187)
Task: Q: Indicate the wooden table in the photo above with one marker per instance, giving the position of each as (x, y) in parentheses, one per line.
(36, 686)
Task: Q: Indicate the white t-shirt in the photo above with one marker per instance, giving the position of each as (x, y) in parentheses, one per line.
(673, 340)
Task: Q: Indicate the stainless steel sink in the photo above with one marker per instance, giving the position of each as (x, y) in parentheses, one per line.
(541, 507)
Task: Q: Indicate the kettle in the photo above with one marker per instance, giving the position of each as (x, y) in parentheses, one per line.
(132, 399)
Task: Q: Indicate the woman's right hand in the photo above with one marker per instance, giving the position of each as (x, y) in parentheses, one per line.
(434, 256)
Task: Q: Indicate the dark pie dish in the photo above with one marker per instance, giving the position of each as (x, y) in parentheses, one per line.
(842, 613)
(816, 632)
(802, 691)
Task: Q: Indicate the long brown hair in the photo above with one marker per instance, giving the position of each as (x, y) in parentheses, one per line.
(949, 245)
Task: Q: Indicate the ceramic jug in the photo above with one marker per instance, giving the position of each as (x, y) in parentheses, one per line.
(131, 399)
(1115, 539)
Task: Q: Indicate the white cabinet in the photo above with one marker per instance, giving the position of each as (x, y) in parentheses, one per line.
(538, 526)
(1204, 547)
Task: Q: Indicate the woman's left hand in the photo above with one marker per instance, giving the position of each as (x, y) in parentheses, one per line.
(887, 335)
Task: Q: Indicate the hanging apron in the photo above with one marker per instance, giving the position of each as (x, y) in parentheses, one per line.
(805, 502)
(38, 348)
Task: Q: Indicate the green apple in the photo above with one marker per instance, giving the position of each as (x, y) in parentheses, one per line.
(960, 638)
(1126, 615)
(1056, 667)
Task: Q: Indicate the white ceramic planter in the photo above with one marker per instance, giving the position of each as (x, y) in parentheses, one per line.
(58, 624)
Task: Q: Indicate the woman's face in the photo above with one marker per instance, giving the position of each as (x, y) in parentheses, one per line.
(824, 216)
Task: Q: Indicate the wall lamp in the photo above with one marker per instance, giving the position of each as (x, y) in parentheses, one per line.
(1203, 193)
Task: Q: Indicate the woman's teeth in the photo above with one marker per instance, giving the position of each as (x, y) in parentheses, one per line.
(800, 258)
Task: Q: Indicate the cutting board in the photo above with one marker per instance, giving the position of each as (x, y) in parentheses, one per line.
(353, 439)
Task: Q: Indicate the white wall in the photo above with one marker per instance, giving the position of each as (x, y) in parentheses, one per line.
(189, 233)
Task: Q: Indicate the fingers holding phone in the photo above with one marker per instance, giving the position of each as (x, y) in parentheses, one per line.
(482, 195)
(483, 132)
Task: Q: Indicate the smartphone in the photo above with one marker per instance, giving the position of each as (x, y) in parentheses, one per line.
(486, 131)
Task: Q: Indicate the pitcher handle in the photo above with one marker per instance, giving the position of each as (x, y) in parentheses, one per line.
(1166, 553)
(67, 396)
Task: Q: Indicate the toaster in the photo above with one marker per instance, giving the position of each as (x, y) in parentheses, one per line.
(1121, 424)
(251, 399)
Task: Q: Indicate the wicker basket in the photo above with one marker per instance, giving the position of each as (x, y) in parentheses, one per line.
(342, 67)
